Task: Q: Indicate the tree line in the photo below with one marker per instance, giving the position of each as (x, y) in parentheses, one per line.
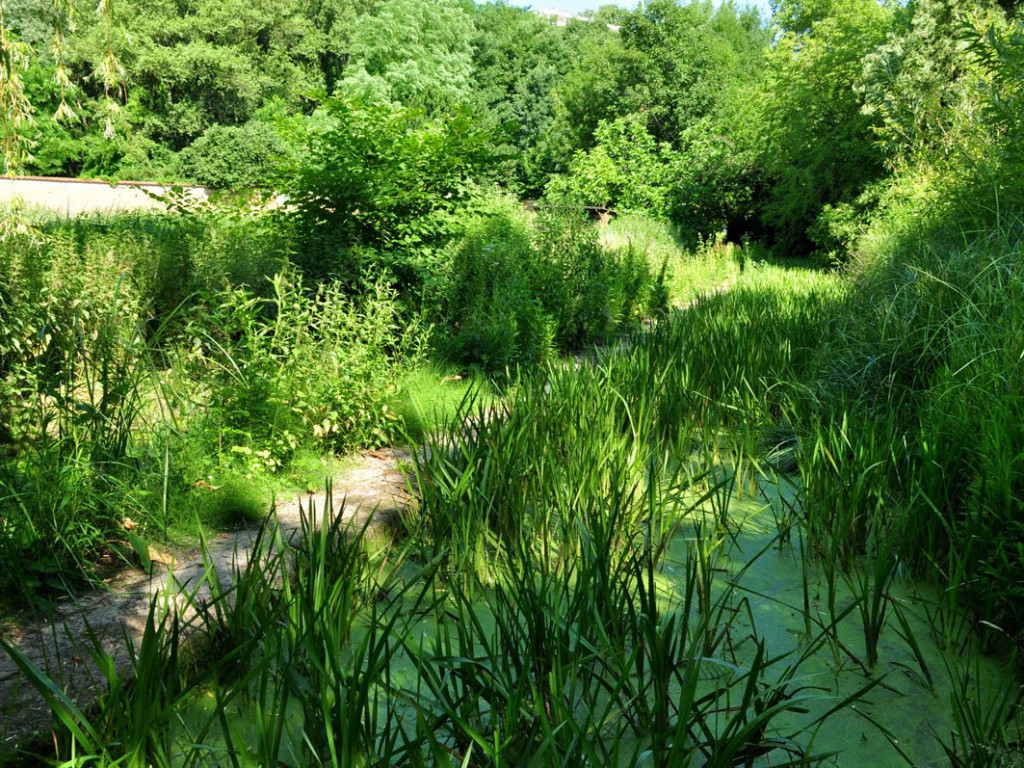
(798, 130)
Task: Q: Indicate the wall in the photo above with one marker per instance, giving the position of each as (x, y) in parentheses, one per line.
(74, 196)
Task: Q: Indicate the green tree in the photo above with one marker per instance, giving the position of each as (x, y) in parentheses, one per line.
(152, 79)
(818, 145)
(384, 178)
(329, 39)
(519, 59)
(234, 157)
(416, 53)
(923, 82)
(627, 170)
(680, 77)
(672, 63)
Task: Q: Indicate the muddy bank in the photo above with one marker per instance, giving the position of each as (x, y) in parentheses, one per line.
(117, 615)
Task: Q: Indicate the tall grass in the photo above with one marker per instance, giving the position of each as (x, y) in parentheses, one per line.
(140, 388)
(923, 405)
(571, 655)
(542, 604)
(524, 611)
(685, 273)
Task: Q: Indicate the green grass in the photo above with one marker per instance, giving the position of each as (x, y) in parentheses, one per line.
(578, 582)
(688, 273)
(432, 394)
(582, 581)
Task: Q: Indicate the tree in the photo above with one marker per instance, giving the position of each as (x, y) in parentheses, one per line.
(818, 146)
(673, 64)
(234, 157)
(153, 80)
(519, 60)
(626, 170)
(15, 107)
(384, 178)
(924, 78)
(415, 53)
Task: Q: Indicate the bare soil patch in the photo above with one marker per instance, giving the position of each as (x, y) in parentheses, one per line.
(117, 614)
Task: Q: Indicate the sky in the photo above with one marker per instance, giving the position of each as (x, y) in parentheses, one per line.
(576, 6)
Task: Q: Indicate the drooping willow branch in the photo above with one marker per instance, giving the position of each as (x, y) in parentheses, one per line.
(16, 109)
(64, 111)
(110, 71)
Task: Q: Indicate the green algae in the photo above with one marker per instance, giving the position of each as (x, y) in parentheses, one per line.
(904, 719)
(760, 587)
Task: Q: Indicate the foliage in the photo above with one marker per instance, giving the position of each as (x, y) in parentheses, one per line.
(670, 67)
(15, 108)
(625, 170)
(923, 80)
(412, 53)
(661, 118)
(264, 396)
(170, 72)
(490, 312)
(234, 157)
(818, 147)
(384, 178)
(518, 62)
(134, 365)
(516, 289)
(718, 182)
(1000, 52)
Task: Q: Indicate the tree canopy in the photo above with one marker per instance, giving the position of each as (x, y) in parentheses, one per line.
(786, 129)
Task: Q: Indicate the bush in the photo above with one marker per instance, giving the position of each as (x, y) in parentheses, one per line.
(627, 170)
(131, 367)
(491, 315)
(518, 286)
(384, 178)
(297, 369)
(234, 157)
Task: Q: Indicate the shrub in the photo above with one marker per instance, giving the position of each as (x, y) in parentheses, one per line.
(518, 286)
(627, 170)
(297, 368)
(234, 157)
(130, 367)
(490, 312)
(385, 178)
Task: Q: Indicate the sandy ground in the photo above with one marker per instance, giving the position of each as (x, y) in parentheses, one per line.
(375, 486)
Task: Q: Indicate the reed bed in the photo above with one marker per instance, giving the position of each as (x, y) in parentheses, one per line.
(626, 564)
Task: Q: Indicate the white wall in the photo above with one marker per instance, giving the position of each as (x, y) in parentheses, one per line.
(72, 196)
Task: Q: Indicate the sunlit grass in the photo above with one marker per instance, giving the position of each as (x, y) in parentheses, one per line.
(601, 568)
(432, 395)
(661, 556)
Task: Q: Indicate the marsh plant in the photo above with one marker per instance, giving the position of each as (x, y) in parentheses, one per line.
(134, 374)
(524, 611)
(987, 727)
(573, 651)
(568, 588)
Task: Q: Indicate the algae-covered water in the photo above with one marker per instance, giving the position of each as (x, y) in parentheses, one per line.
(903, 718)
(766, 597)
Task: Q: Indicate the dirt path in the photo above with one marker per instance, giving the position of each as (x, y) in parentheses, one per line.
(375, 486)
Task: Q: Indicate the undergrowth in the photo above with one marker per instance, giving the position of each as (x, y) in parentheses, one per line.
(161, 371)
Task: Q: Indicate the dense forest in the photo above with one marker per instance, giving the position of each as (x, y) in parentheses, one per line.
(793, 339)
(799, 130)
